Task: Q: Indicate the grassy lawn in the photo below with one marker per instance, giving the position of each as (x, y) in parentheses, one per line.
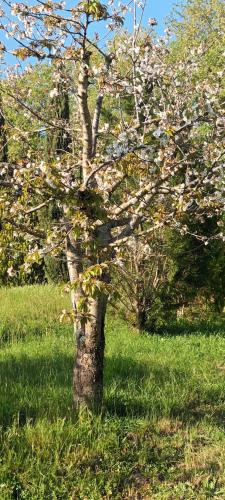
(162, 431)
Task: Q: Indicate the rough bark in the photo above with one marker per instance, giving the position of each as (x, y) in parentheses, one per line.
(89, 361)
(89, 337)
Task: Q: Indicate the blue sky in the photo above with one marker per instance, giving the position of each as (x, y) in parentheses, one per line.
(159, 9)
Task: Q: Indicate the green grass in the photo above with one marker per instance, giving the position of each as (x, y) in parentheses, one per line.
(161, 434)
(31, 310)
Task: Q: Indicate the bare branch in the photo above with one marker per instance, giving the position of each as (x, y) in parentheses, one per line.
(39, 207)
(95, 123)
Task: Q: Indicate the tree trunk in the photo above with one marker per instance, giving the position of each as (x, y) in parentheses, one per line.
(89, 358)
(89, 335)
(89, 322)
(218, 303)
(141, 318)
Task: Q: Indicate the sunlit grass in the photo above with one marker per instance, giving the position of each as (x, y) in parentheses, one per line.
(31, 310)
(161, 432)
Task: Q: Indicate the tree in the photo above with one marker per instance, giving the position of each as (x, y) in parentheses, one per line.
(13, 119)
(144, 281)
(199, 265)
(134, 177)
(58, 143)
(200, 24)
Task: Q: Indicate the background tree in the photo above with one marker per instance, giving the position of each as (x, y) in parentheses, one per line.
(144, 280)
(195, 270)
(58, 144)
(200, 265)
(199, 24)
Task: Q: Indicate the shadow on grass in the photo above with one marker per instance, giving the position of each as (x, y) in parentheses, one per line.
(35, 387)
(131, 398)
(200, 328)
(41, 388)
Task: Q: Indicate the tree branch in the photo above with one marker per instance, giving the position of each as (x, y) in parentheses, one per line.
(38, 207)
(37, 234)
